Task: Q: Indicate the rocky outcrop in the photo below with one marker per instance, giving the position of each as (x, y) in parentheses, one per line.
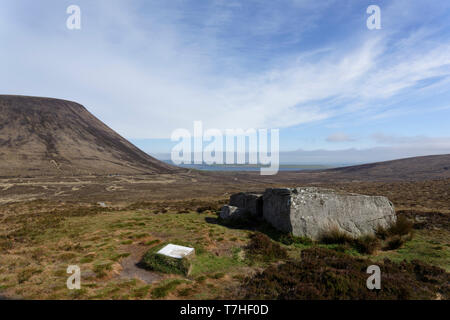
(228, 213)
(311, 211)
(252, 202)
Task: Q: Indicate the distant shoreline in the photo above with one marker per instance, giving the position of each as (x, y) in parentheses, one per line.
(252, 167)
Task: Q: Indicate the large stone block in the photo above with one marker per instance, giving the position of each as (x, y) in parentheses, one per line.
(228, 213)
(252, 202)
(169, 258)
(311, 211)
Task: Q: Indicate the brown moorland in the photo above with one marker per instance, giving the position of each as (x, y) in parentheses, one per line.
(51, 218)
(48, 137)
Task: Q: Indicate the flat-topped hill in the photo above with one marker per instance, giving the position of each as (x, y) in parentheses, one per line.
(45, 137)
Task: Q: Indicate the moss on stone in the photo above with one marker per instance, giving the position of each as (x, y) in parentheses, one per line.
(162, 263)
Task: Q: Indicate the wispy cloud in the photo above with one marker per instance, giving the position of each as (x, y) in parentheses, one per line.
(418, 142)
(149, 68)
(340, 137)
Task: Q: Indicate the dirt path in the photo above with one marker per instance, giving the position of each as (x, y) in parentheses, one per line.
(131, 270)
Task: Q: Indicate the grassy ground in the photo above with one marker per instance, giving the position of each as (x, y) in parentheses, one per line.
(39, 240)
(34, 259)
(430, 246)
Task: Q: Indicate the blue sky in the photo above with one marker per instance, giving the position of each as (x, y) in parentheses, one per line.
(310, 68)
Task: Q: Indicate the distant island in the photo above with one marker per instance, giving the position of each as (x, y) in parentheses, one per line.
(251, 167)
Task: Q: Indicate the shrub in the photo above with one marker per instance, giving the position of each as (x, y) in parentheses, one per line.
(401, 227)
(289, 239)
(428, 273)
(261, 246)
(152, 260)
(326, 274)
(335, 236)
(381, 232)
(394, 242)
(367, 244)
(397, 234)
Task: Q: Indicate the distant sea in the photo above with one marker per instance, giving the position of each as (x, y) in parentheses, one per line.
(248, 167)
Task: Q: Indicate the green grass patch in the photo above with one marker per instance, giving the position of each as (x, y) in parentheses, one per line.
(141, 292)
(164, 289)
(87, 259)
(119, 256)
(152, 242)
(186, 292)
(423, 247)
(102, 268)
(207, 263)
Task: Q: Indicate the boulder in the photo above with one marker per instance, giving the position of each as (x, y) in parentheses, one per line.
(311, 211)
(232, 213)
(252, 202)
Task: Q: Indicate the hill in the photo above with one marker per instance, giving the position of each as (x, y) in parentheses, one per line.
(416, 168)
(46, 137)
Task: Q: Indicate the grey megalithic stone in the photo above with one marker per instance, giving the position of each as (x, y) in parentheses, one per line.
(231, 213)
(250, 201)
(310, 211)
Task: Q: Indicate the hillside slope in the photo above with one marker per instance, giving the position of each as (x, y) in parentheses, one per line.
(44, 136)
(416, 168)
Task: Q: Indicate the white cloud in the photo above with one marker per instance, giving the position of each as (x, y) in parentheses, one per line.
(355, 156)
(418, 142)
(339, 137)
(146, 79)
